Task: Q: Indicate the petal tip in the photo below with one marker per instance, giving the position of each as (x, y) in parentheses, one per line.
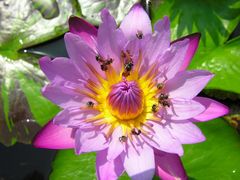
(104, 13)
(43, 60)
(54, 137)
(137, 7)
(224, 110)
(213, 110)
(68, 35)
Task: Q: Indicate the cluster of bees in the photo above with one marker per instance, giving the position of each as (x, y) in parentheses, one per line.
(128, 65)
(104, 63)
(134, 131)
(162, 100)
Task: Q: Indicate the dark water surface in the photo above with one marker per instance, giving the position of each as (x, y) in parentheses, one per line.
(24, 162)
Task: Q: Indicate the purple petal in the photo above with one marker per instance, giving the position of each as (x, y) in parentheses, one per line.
(172, 59)
(182, 109)
(135, 46)
(136, 21)
(192, 47)
(163, 140)
(186, 133)
(90, 141)
(81, 54)
(139, 166)
(59, 67)
(84, 29)
(158, 43)
(163, 27)
(115, 146)
(108, 170)
(73, 117)
(213, 110)
(187, 84)
(54, 137)
(62, 93)
(169, 166)
(110, 40)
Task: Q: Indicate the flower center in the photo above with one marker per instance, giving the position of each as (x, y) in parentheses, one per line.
(126, 100)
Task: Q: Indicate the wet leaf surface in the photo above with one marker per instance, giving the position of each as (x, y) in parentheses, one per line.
(22, 107)
(23, 110)
(91, 9)
(217, 157)
(67, 165)
(24, 23)
(224, 63)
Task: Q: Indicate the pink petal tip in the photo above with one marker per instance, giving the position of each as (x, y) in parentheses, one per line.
(54, 137)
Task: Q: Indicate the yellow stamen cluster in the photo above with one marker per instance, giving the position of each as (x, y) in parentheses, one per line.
(100, 91)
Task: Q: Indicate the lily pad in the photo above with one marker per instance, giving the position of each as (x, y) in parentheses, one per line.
(22, 107)
(224, 63)
(91, 9)
(68, 165)
(24, 23)
(217, 157)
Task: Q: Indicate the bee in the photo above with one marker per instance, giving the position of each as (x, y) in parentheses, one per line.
(162, 99)
(128, 66)
(165, 103)
(104, 67)
(109, 61)
(139, 34)
(160, 85)
(99, 59)
(154, 108)
(90, 104)
(103, 63)
(123, 139)
(136, 131)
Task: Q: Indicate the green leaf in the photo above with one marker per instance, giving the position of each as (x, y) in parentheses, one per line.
(91, 9)
(22, 107)
(214, 20)
(217, 157)
(224, 63)
(25, 23)
(68, 165)
(28, 22)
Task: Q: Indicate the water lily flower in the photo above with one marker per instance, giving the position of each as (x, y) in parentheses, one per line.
(125, 93)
